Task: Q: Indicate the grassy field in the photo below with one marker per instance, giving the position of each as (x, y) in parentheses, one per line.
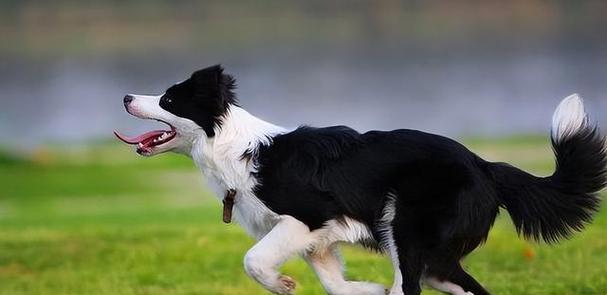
(102, 220)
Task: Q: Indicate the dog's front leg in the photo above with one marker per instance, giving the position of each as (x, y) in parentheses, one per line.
(328, 266)
(288, 238)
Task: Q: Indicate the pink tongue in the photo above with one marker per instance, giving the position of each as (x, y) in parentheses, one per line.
(140, 138)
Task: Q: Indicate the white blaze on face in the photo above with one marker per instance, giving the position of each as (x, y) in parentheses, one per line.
(179, 138)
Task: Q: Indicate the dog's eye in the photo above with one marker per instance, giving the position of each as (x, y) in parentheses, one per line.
(166, 99)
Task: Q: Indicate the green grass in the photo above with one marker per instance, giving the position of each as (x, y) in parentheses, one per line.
(104, 221)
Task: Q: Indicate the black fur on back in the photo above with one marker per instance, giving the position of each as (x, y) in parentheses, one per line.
(319, 174)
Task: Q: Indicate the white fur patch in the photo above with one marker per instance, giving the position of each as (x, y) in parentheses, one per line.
(220, 160)
(387, 242)
(347, 230)
(568, 118)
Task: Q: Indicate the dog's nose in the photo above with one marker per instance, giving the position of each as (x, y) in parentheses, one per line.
(127, 99)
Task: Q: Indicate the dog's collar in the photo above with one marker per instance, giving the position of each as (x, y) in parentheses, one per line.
(228, 205)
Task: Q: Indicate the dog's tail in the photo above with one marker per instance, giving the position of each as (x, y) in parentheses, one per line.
(552, 208)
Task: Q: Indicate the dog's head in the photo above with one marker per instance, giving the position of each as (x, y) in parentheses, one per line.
(192, 108)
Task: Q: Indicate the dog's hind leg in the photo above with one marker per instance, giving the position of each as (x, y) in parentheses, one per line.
(407, 262)
(453, 279)
(288, 238)
(466, 281)
(329, 268)
(444, 271)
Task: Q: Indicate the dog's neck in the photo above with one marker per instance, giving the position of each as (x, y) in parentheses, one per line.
(222, 157)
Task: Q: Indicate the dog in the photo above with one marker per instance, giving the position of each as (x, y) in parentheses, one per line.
(423, 199)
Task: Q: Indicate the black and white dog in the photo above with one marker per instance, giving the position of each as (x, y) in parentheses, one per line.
(423, 199)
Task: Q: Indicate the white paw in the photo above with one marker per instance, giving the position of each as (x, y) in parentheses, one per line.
(468, 293)
(286, 286)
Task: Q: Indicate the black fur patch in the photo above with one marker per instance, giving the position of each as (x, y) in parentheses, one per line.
(318, 174)
(203, 98)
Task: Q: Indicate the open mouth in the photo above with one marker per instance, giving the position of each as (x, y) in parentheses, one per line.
(147, 141)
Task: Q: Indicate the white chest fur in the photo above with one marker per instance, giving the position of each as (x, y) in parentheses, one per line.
(256, 218)
(220, 160)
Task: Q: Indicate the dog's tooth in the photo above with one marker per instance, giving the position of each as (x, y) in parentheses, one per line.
(140, 145)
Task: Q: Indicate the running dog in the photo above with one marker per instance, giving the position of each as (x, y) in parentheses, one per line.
(423, 199)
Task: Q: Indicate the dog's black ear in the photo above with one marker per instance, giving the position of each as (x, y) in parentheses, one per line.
(214, 88)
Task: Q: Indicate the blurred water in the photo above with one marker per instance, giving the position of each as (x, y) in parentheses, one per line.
(80, 98)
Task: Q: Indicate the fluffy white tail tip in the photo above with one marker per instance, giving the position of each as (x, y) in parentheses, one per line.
(568, 118)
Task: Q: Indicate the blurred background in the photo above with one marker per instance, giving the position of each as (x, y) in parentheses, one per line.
(82, 214)
(456, 67)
